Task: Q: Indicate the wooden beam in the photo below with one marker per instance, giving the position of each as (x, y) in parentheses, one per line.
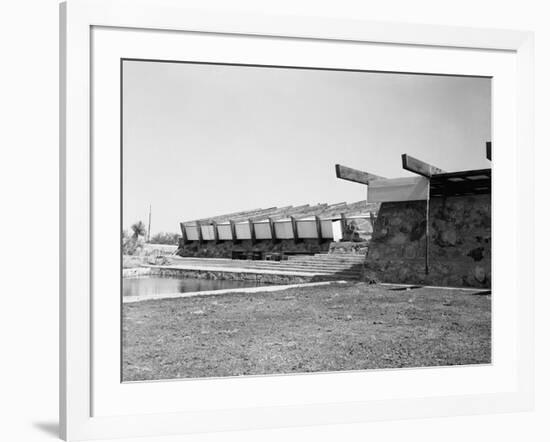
(252, 232)
(228, 216)
(488, 149)
(183, 234)
(398, 189)
(285, 213)
(294, 229)
(233, 232)
(199, 232)
(354, 175)
(216, 233)
(319, 229)
(272, 231)
(261, 214)
(420, 167)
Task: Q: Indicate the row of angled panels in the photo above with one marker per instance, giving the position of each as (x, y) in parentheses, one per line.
(283, 230)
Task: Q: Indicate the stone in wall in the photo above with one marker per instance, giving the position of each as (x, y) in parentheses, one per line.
(261, 278)
(459, 242)
(347, 247)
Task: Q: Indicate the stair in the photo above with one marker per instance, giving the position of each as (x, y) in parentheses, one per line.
(345, 266)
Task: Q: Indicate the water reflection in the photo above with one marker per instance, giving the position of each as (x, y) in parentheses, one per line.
(157, 285)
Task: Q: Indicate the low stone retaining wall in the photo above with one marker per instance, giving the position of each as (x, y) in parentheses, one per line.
(262, 278)
(136, 272)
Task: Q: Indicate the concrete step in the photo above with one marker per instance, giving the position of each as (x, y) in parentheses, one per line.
(309, 268)
(321, 266)
(275, 267)
(325, 262)
(344, 268)
(239, 263)
(322, 258)
(335, 259)
(295, 269)
(269, 264)
(327, 259)
(336, 275)
(346, 255)
(259, 262)
(316, 267)
(313, 262)
(341, 256)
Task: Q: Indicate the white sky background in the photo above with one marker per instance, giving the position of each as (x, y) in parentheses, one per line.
(204, 140)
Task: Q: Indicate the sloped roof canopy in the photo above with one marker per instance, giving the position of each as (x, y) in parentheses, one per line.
(324, 211)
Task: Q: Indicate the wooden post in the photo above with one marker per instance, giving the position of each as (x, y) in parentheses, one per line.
(319, 229)
(272, 231)
(233, 233)
(216, 233)
(199, 233)
(252, 232)
(426, 170)
(294, 229)
(427, 262)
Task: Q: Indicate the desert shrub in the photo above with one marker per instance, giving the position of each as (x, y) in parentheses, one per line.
(165, 238)
(132, 244)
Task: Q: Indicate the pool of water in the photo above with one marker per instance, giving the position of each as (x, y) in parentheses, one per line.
(160, 285)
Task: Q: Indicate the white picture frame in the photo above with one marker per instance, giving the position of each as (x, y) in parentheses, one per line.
(80, 378)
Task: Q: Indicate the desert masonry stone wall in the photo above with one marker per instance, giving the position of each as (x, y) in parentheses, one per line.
(459, 242)
(225, 249)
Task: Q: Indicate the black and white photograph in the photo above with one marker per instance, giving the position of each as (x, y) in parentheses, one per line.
(294, 220)
(283, 220)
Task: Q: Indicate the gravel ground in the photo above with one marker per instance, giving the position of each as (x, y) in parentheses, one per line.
(353, 326)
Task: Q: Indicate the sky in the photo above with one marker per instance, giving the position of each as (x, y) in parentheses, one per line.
(204, 140)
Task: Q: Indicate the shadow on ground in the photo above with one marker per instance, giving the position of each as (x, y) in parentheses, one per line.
(50, 428)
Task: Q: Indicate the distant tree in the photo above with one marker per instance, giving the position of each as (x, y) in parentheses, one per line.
(165, 238)
(128, 244)
(132, 244)
(138, 229)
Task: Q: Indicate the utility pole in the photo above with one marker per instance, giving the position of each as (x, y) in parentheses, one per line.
(149, 228)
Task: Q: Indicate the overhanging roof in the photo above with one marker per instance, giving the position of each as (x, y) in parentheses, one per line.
(299, 212)
(465, 182)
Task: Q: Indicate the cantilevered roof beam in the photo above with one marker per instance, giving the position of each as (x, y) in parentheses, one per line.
(354, 175)
(419, 167)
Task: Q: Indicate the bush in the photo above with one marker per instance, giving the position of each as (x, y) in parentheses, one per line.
(165, 238)
(131, 245)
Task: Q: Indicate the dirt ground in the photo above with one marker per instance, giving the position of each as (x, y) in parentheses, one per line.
(350, 326)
